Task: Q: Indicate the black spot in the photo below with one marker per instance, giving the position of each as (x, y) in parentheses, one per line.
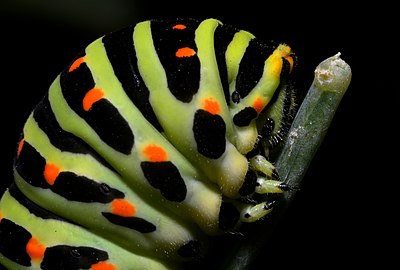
(209, 133)
(165, 177)
(64, 257)
(82, 189)
(122, 55)
(13, 240)
(269, 205)
(228, 216)
(249, 184)
(235, 97)
(135, 223)
(109, 124)
(245, 116)
(190, 249)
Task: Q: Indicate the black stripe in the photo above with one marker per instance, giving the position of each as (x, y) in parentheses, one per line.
(63, 140)
(252, 66)
(223, 36)
(183, 74)
(103, 117)
(122, 55)
(33, 208)
(30, 166)
(134, 223)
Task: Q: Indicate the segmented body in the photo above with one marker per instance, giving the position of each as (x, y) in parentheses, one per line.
(152, 137)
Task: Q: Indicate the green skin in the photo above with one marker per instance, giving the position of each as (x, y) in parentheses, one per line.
(73, 235)
(208, 181)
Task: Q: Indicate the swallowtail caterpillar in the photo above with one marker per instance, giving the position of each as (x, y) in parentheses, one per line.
(155, 136)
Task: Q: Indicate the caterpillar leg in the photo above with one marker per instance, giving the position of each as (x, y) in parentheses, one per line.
(252, 213)
(263, 182)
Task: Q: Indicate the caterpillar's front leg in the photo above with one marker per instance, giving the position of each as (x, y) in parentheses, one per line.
(260, 180)
(252, 213)
(266, 184)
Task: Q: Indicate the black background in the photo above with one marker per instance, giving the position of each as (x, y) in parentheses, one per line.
(342, 215)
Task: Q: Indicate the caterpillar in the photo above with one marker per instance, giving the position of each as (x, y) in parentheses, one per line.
(153, 138)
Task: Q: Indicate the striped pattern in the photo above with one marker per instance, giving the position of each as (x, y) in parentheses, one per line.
(143, 144)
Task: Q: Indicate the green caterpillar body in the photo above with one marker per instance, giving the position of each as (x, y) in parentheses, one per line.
(154, 137)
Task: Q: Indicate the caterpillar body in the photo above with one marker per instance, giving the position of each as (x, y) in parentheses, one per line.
(154, 137)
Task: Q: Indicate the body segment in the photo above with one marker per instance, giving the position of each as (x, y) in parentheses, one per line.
(154, 136)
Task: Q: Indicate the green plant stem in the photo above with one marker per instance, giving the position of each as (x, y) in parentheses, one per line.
(331, 80)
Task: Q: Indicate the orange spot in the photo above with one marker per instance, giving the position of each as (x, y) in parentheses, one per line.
(1, 216)
(76, 64)
(51, 172)
(102, 266)
(211, 105)
(20, 145)
(91, 97)
(185, 52)
(289, 58)
(34, 249)
(179, 26)
(123, 208)
(258, 104)
(155, 153)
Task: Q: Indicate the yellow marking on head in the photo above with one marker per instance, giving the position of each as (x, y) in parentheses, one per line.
(286, 52)
(282, 51)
